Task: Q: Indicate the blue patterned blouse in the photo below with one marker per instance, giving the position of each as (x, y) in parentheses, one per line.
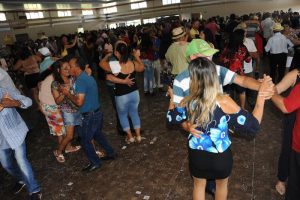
(215, 134)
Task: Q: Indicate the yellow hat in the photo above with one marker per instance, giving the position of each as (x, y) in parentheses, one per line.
(241, 25)
(277, 27)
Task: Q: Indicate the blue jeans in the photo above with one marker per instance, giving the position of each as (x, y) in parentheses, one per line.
(148, 76)
(92, 129)
(15, 162)
(127, 105)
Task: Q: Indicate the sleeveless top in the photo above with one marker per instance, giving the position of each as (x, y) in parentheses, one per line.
(31, 66)
(122, 89)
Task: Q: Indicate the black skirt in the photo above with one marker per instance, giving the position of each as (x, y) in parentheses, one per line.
(209, 165)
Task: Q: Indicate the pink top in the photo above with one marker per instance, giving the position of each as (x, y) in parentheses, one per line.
(213, 27)
(45, 94)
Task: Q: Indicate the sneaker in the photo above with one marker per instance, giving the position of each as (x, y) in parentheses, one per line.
(36, 196)
(18, 187)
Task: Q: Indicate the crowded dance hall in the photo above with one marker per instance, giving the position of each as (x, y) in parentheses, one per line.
(150, 99)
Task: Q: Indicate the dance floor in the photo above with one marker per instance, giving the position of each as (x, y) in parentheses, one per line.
(157, 168)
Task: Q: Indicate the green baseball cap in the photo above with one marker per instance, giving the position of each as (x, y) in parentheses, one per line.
(199, 46)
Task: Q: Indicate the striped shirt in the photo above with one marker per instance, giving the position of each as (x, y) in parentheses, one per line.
(6, 81)
(182, 82)
(13, 129)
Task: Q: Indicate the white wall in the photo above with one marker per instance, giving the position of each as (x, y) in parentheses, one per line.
(248, 7)
(155, 9)
(55, 30)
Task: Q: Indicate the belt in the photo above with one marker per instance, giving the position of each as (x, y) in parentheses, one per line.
(90, 113)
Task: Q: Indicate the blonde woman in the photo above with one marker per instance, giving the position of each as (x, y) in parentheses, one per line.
(212, 112)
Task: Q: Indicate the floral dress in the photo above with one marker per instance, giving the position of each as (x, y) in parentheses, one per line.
(210, 156)
(54, 119)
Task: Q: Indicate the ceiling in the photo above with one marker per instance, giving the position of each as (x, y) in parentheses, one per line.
(63, 1)
(17, 5)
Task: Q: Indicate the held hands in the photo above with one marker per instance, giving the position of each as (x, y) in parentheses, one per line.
(267, 88)
(64, 89)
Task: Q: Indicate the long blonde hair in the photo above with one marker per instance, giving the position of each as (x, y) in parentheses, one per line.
(204, 90)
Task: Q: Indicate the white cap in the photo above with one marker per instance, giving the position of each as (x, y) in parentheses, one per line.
(104, 35)
(44, 51)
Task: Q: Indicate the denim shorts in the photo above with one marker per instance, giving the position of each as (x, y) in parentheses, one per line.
(72, 119)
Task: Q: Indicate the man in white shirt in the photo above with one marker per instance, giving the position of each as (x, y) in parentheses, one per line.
(278, 46)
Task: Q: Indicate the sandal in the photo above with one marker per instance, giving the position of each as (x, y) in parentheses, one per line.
(280, 187)
(129, 141)
(138, 139)
(59, 157)
(73, 149)
(100, 154)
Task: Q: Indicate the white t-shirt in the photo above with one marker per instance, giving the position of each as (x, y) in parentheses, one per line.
(248, 67)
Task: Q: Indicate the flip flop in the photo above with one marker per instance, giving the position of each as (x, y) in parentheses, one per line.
(59, 157)
(100, 154)
(280, 188)
(74, 149)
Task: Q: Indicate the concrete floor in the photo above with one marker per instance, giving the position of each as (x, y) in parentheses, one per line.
(158, 167)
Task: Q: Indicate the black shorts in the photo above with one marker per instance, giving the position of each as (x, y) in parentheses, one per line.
(32, 80)
(209, 165)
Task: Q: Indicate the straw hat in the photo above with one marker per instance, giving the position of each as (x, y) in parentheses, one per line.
(43, 37)
(178, 33)
(277, 27)
(241, 25)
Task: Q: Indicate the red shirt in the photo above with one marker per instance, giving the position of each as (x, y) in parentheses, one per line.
(292, 103)
(235, 62)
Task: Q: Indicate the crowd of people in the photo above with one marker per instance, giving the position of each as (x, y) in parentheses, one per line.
(202, 64)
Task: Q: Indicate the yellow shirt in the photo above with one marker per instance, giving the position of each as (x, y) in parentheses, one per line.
(64, 53)
(193, 33)
(176, 56)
